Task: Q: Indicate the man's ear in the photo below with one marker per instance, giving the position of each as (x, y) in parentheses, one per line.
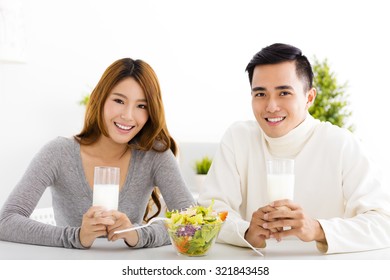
(311, 96)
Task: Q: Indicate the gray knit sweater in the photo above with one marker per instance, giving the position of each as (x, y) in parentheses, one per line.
(58, 166)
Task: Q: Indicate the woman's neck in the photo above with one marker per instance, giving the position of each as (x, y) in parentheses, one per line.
(107, 150)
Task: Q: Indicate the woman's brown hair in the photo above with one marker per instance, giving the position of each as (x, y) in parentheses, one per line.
(155, 129)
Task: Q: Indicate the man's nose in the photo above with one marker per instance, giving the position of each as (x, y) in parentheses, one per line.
(272, 106)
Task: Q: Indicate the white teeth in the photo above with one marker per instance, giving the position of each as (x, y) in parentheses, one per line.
(124, 127)
(275, 119)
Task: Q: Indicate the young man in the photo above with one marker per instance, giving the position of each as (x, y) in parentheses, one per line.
(339, 200)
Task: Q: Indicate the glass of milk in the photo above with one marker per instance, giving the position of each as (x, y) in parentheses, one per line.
(280, 179)
(106, 187)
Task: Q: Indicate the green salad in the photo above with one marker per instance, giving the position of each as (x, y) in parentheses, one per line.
(194, 230)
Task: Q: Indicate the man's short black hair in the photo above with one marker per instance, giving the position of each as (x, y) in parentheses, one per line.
(277, 53)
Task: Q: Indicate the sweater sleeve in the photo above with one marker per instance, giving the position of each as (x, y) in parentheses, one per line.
(14, 216)
(366, 221)
(223, 185)
(168, 179)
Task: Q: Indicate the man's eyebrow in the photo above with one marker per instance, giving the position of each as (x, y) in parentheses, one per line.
(278, 88)
(258, 89)
(284, 87)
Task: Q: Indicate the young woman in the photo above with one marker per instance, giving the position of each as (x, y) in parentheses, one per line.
(124, 127)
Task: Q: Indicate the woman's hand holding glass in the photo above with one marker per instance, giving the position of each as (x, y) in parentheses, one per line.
(94, 225)
(98, 222)
(121, 221)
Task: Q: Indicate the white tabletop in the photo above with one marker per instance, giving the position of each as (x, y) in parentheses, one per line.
(102, 249)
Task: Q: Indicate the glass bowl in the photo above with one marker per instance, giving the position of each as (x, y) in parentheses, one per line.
(193, 240)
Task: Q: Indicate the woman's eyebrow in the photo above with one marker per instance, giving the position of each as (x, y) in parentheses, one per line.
(120, 95)
(125, 97)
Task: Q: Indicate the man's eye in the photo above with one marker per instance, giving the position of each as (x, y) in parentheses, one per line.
(284, 93)
(259, 94)
(120, 101)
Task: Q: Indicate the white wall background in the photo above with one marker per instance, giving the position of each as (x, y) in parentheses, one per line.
(199, 50)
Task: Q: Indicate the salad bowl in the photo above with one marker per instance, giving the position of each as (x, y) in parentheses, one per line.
(194, 231)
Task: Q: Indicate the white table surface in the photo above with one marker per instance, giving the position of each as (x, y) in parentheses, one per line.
(104, 250)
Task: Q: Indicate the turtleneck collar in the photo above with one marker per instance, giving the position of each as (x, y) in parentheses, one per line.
(289, 145)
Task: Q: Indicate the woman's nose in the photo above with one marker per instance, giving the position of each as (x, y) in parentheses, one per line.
(127, 115)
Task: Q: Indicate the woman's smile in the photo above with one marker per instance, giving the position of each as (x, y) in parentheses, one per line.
(123, 127)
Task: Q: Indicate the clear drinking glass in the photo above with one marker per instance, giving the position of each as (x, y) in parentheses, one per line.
(106, 187)
(280, 179)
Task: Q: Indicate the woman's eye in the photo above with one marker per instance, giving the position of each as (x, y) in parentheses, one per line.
(120, 101)
(142, 106)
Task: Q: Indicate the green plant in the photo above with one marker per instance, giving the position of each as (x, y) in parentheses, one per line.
(331, 102)
(202, 166)
(85, 100)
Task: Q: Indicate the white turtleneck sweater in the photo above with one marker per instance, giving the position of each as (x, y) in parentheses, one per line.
(335, 183)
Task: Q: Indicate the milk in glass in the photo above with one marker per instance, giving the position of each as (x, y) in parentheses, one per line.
(106, 196)
(106, 187)
(280, 186)
(280, 179)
